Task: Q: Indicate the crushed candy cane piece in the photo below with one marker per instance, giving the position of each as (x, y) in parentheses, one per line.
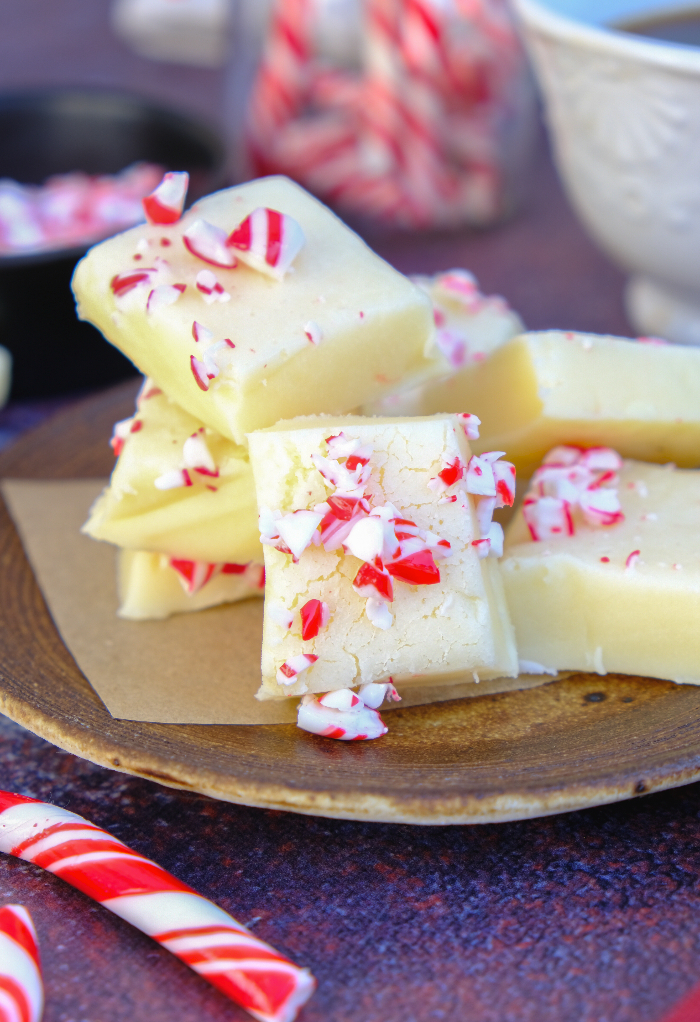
(289, 671)
(573, 481)
(165, 203)
(313, 332)
(374, 582)
(547, 517)
(480, 480)
(453, 346)
(164, 295)
(201, 373)
(201, 334)
(378, 613)
(315, 615)
(341, 699)
(197, 455)
(632, 560)
(193, 575)
(374, 693)
(296, 530)
(470, 424)
(358, 724)
(278, 613)
(120, 432)
(173, 479)
(210, 289)
(122, 283)
(208, 243)
(268, 241)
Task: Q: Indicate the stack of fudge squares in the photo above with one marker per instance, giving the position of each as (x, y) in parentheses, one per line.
(316, 428)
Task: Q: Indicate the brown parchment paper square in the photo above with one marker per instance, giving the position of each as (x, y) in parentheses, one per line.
(200, 668)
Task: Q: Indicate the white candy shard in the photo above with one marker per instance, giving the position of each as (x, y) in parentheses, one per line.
(291, 668)
(164, 295)
(173, 480)
(379, 614)
(197, 455)
(210, 289)
(341, 699)
(313, 332)
(207, 242)
(374, 694)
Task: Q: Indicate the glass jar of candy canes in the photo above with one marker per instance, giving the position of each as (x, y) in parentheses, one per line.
(413, 114)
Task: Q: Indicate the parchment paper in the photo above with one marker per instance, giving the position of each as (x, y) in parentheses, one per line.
(199, 668)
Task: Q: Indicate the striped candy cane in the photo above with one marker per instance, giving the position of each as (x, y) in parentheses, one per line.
(198, 932)
(21, 989)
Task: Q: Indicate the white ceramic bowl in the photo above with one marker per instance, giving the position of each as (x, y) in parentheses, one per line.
(624, 115)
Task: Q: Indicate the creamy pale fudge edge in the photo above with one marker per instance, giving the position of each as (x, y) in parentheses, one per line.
(341, 328)
(178, 487)
(151, 588)
(469, 327)
(623, 598)
(456, 628)
(541, 389)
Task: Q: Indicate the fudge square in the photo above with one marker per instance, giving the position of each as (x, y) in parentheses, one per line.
(178, 488)
(240, 349)
(543, 389)
(622, 597)
(354, 511)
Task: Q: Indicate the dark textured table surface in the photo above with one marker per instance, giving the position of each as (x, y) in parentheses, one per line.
(587, 917)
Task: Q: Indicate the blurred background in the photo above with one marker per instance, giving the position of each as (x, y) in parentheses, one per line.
(194, 67)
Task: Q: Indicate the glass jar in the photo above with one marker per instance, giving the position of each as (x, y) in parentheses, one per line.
(415, 114)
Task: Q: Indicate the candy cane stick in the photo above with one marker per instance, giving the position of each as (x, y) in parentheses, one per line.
(198, 932)
(21, 989)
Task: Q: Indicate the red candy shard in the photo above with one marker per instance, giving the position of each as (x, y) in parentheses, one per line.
(233, 569)
(199, 371)
(165, 203)
(314, 617)
(194, 574)
(122, 283)
(373, 581)
(343, 508)
(452, 473)
(417, 569)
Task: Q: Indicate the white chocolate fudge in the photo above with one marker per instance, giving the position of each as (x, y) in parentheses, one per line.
(178, 488)
(543, 389)
(469, 327)
(372, 556)
(621, 598)
(238, 348)
(154, 586)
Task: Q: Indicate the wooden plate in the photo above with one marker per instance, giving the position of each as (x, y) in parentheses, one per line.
(567, 745)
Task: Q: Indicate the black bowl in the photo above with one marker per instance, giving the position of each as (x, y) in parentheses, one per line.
(57, 131)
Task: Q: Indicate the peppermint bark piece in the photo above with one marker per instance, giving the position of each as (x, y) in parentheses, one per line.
(155, 586)
(178, 487)
(370, 535)
(612, 589)
(238, 348)
(543, 389)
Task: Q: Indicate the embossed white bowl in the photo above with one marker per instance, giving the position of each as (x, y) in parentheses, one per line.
(624, 114)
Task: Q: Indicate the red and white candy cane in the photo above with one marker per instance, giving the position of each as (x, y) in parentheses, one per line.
(21, 988)
(196, 931)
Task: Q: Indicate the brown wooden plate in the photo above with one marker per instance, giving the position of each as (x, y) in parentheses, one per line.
(574, 743)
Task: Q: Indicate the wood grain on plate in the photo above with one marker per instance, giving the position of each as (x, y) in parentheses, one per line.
(580, 742)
